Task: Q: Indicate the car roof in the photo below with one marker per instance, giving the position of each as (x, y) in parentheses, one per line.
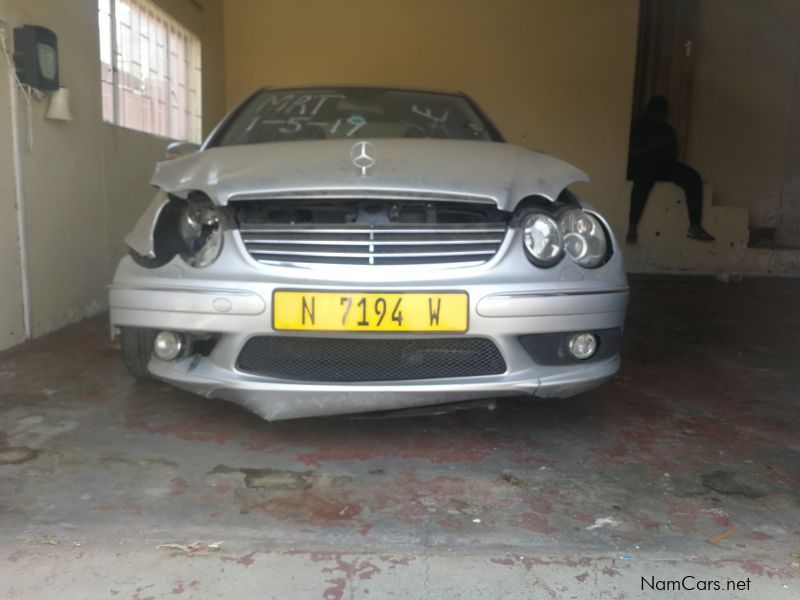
(386, 88)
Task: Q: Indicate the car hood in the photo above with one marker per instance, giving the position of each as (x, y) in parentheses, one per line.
(498, 171)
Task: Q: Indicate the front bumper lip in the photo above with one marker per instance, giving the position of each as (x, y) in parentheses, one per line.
(277, 400)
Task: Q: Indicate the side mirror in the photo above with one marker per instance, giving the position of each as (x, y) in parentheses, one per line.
(179, 149)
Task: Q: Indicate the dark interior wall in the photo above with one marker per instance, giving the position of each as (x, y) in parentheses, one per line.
(744, 128)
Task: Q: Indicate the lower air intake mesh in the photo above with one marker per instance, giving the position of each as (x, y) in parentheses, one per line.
(349, 360)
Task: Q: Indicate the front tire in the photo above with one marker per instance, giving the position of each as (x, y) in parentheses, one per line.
(137, 346)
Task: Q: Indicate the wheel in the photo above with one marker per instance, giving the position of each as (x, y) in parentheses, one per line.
(137, 345)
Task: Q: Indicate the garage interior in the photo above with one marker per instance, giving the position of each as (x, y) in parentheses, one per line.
(685, 464)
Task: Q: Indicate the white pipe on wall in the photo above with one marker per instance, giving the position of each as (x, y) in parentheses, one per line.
(22, 237)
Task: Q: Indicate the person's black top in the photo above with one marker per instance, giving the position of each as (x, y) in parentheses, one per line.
(652, 145)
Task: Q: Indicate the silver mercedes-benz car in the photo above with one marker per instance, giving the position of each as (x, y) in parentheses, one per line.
(344, 249)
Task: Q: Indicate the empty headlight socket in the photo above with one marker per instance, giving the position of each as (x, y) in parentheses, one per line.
(167, 242)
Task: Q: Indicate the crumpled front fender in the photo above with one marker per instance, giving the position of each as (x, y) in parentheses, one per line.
(140, 239)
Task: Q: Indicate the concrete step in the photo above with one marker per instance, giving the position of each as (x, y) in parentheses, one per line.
(663, 245)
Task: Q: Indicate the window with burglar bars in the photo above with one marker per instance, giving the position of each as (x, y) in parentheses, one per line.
(150, 70)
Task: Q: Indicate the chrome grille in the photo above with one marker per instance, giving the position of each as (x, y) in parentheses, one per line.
(386, 244)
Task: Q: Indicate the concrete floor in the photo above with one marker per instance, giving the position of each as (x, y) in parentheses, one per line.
(686, 464)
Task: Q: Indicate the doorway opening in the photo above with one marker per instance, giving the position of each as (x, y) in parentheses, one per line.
(664, 61)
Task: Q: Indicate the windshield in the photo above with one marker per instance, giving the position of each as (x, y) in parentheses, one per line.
(341, 113)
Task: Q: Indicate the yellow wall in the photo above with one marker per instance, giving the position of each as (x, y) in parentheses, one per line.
(555, 75)
(84, 182)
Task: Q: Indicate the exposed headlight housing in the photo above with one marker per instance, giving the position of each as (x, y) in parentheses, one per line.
(576, 233)
(200, 228)
(585, 239)
(542, 239)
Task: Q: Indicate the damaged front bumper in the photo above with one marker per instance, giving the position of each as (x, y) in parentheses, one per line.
(236, 310)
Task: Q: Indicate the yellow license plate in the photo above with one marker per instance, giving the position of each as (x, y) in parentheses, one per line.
(355, 311)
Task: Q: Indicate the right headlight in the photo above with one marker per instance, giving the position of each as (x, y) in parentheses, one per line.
(542, 239)
(584, 238)
(200, 228)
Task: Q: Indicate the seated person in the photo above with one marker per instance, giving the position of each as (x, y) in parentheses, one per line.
(653, 156)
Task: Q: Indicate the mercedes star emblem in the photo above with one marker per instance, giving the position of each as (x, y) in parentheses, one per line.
(364, 156)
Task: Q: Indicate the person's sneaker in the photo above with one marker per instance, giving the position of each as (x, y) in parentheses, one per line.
(696, 232)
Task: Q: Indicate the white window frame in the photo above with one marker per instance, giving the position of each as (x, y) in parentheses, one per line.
(192, 77)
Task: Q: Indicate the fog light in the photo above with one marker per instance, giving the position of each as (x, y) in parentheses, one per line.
(168, 345)
(582, 345)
